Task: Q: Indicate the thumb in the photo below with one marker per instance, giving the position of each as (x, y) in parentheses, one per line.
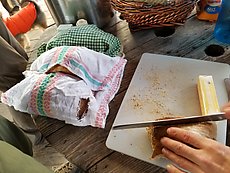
(227, 112)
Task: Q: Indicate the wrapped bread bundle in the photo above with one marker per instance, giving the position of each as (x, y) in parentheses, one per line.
(69, 83)
(54, 95)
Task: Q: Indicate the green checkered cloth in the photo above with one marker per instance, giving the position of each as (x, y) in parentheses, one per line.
(89, 36)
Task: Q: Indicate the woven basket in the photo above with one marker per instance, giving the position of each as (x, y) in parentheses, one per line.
(141, 15)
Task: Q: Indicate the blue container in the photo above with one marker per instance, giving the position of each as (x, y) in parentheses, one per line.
(222, 28)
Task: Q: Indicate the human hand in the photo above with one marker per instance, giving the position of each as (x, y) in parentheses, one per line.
(195, 153)
(226, 109)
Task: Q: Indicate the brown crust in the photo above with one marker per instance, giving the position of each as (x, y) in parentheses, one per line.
(83, 108)
(59, 68)
(83, 104)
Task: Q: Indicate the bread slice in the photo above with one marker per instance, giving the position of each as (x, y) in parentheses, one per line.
(206, 129)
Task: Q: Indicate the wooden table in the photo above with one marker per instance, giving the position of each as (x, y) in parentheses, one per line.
(85, 146)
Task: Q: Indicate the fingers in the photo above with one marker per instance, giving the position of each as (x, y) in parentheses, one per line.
(209, 160)
(181, 162)
(180, 149)
(227, 113)
(207, 155)
(226, 109)
(226, 106)
(187, 137)
(173, 169)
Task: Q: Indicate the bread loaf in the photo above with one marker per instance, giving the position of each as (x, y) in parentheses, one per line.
(58, 68)
(83, 104)
(83, 107)
(206, 129)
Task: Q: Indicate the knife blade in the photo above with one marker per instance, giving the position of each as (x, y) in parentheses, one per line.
(167, 122)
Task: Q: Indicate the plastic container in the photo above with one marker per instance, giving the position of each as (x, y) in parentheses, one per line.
(208, 9)
(222, 28)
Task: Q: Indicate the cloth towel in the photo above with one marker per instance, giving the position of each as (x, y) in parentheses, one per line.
(94, 76)
(89, 36)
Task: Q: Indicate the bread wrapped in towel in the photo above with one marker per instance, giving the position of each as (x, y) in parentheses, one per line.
(98, 70)
(54, 95)
(206, 129)
(69, 83)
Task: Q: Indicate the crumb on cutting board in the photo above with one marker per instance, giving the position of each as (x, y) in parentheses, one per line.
(152, 97)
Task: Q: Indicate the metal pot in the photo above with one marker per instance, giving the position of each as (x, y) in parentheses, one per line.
(98, 12)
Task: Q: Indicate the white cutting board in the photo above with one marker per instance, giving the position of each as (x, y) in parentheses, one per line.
(163, 85)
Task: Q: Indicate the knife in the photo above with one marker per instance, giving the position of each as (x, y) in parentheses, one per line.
(169, 122)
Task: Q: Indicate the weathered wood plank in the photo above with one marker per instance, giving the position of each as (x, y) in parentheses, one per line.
(85, 146)
(48, 125)
(175, 45)
(117, 163)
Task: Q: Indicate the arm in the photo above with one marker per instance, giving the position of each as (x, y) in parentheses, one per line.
(10, 5)
(13, 160)
(11, 134)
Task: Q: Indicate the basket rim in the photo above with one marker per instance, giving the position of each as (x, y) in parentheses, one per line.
(138, 16)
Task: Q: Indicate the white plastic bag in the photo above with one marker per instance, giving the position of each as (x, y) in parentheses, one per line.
(94, 76)
(54, 95)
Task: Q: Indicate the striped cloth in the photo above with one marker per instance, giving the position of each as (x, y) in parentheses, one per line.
(89, 36)
(94, 76)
